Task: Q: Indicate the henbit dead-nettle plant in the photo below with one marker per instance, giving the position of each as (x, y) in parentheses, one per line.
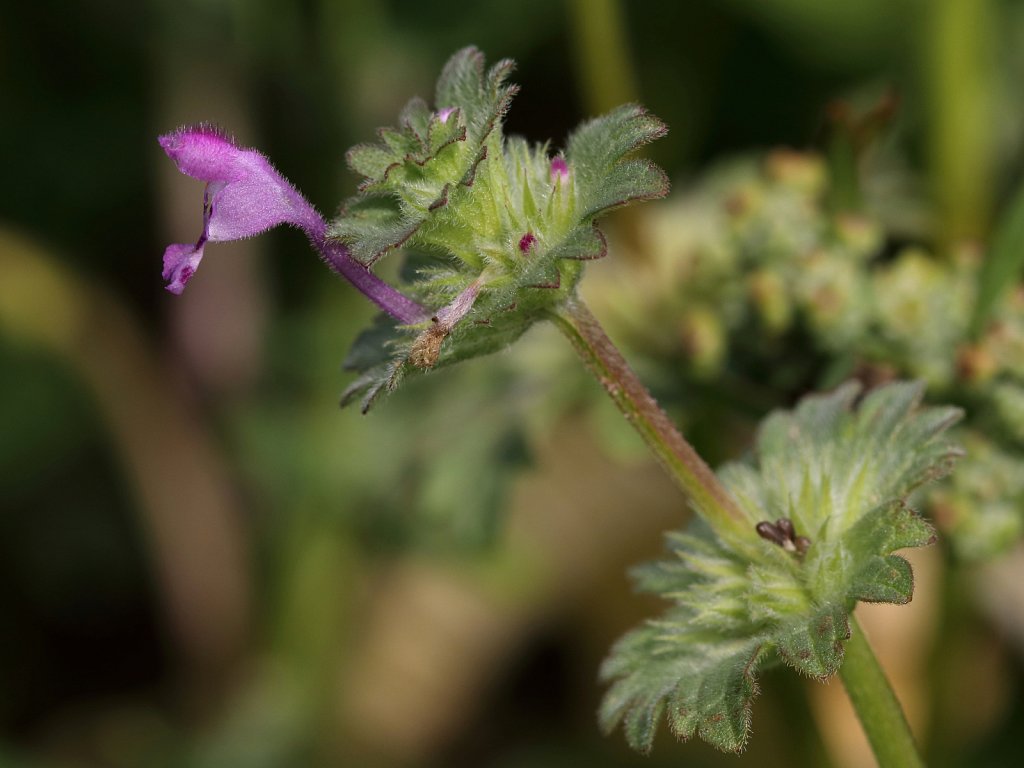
(496, 232)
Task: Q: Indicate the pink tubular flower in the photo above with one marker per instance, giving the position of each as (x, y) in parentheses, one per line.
(245, 195)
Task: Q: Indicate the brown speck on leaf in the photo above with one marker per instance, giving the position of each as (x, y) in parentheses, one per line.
(427, 347)
(783, 533)
(769, 532)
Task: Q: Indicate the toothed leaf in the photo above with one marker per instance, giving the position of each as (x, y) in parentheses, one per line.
(369, 160)
(416, 117)
(595, 152)
(598, 144)
(583, 244)
(624, 183)
(702, 682)
(839, 474)
(484, 98)
(813, 645)
(372, 226)
(508, 226)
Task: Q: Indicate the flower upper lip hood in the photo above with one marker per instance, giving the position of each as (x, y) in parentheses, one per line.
(245, 195)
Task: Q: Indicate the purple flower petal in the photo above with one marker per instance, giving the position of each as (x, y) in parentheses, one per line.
(245, 195)
(180, 263)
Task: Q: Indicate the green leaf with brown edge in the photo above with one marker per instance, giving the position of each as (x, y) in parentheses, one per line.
(506, 224)
(827, 489)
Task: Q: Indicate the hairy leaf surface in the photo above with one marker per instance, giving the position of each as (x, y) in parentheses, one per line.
(840, 472)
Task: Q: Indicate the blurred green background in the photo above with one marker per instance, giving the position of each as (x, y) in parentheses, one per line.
(204, 562)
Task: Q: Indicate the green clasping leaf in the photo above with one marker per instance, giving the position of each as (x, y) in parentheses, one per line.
(500, 227)
(830, 480)
(596, 150)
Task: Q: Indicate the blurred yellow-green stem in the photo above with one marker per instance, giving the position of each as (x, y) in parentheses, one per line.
(602, 54)
(607, 78)
(708, 496)
(845, 193)
(1003, 261)
(959, 71)
(876, 705)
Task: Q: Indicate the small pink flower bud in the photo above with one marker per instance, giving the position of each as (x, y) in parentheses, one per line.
(559, 169)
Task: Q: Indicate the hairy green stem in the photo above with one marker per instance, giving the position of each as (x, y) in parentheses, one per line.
(876, 705)
(708, 496)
